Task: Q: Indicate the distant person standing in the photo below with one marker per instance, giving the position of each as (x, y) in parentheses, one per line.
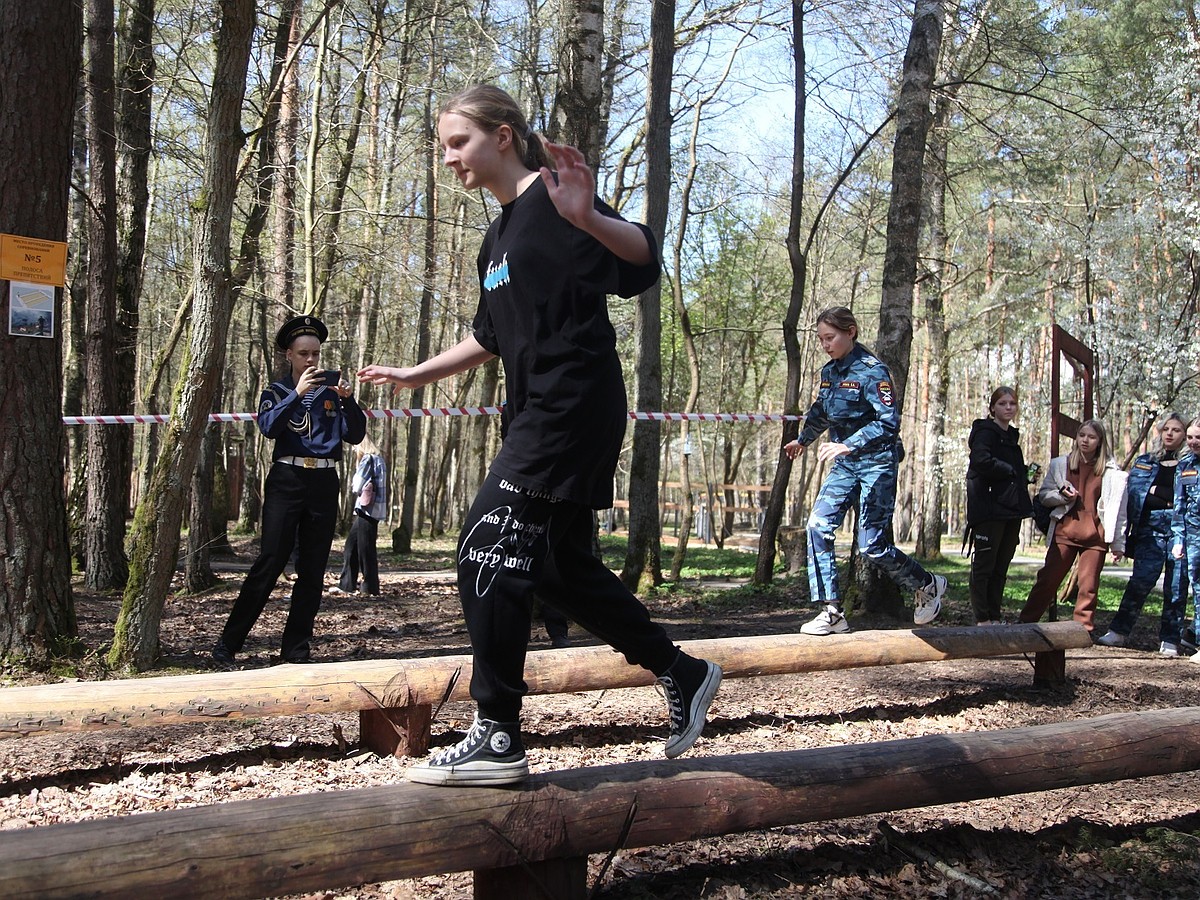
(309, 413)
(1085, 491)
(856, 402)
(1151, 503)
(997, 503)
(369, 487)
(1185, 524)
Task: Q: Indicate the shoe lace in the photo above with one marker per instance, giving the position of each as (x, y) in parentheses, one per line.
(668, 687)
(469, 742)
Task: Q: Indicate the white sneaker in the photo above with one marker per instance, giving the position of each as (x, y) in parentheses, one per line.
(829, 621)
(1111, 639)
(1169, 648)
(928, 601)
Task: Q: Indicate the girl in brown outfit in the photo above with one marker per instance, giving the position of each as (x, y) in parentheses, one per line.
(1086, 493)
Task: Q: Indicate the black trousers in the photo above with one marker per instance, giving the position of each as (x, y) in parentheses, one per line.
(995, 544)
(514, 543)
(298, 505)
(361, 555)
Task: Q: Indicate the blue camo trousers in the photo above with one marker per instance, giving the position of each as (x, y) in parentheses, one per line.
(1190, 564)
(1150, 548)
(870, 480)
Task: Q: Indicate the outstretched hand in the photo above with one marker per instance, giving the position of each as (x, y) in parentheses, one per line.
(574, 192)
(376, 374)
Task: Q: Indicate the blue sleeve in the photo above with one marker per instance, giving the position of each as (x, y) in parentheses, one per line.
(815, 422)
(879, 392)
(1179, 510)
(275, 408)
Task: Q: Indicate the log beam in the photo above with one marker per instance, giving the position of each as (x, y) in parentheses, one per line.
(314, 842)
(394, 683)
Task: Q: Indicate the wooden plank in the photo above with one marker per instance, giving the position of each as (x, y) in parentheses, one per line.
(391, 683)
(330, 840)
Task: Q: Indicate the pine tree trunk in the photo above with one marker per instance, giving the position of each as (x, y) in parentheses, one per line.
(798, 257)
(643, 556)
(107, 445)
(40, 57)
(893, 342)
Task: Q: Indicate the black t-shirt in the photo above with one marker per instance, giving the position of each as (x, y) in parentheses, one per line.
(543, 311)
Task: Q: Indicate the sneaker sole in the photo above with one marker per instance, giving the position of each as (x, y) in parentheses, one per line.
(824, 631)
(470, 775)
(680, 744)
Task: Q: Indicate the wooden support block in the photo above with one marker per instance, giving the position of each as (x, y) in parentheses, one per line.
(1050, 668)
(554, 879)
(401, 731)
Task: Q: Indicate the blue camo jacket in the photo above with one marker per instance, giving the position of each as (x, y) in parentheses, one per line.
(1185, 519)
(856, 403)
(1141, 478)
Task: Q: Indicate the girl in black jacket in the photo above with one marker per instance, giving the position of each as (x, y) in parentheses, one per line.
(997, 501)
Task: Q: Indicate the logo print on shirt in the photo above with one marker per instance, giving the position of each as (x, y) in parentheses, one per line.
(496, 275)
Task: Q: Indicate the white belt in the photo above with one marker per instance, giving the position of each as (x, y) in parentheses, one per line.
(308, 462)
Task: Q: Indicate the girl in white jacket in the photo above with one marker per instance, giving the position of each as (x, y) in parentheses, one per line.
(1086, 493)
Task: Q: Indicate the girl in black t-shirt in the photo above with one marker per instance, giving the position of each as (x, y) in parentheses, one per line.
(546, 265)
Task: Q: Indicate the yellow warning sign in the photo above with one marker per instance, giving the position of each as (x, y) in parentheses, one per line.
(33, 260)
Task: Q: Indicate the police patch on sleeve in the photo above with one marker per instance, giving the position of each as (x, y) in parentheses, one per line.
(886, 395)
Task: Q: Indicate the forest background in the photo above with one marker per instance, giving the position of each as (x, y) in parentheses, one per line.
(964, 176)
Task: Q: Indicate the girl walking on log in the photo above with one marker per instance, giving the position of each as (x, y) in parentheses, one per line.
(857, 404)
(545, 266)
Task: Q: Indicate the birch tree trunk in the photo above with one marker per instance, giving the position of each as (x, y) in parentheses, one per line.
(159, 515)
(40, 55)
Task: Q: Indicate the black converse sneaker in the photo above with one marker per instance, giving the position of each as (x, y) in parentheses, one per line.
(689, 686)
(491, 753)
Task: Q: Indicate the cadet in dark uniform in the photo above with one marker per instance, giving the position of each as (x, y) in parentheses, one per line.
(309, 420)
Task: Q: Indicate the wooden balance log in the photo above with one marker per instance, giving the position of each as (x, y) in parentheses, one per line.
(394, 697)
(522, 838)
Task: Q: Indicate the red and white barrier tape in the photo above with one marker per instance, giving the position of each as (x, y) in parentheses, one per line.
(436, 412)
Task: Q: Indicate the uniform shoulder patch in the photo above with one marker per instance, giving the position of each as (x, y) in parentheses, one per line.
(886, 395)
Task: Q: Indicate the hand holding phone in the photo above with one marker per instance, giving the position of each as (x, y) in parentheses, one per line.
(330, 377)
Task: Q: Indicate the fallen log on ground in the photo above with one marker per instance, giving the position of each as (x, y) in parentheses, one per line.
(399, 683)
(290, 845)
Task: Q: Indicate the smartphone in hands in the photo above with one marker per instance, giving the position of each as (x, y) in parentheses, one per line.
(329, 377)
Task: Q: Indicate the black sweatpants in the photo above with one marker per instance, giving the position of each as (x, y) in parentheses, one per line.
(996, 543)
(361, 555)
(515, 542)
(298, 503)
